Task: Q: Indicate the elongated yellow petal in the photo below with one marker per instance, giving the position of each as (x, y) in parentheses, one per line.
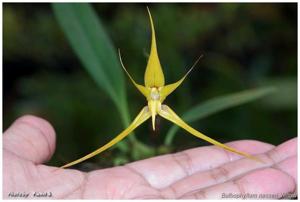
(168, 89)
(154, 76)
(141, 117)
(141, 88)
(170, 115)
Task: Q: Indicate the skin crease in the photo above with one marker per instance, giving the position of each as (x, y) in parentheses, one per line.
(191, 174)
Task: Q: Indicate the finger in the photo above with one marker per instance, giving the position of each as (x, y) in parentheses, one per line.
(164, 170)
(289, 166)
(30, 138)
(286, 154)
(233, 169)
(267, 183)
(284, 150)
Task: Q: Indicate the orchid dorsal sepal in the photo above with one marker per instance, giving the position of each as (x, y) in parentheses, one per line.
(154, 76)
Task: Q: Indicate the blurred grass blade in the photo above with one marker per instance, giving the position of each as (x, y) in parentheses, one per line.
(286, 96)
(218, 104)
(88, 38)
(92, 45)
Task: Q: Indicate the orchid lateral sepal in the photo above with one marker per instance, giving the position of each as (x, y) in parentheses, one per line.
(167, 113)
(141, 117)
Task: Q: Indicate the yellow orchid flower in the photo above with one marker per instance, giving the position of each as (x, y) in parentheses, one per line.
(156, 92)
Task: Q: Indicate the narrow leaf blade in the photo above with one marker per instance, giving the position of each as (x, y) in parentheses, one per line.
(91, 44)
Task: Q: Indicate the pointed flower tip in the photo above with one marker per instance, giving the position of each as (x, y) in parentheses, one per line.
(153, 122)
(154, 76)
(149, 12)
(193, 65)
(153, 125)
(152, 25)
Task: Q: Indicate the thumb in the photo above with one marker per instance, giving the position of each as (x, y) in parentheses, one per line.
(30, 138)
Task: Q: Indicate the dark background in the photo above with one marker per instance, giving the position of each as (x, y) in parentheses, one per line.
(244, 46)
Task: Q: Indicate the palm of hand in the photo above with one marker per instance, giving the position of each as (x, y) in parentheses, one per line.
(206, 172)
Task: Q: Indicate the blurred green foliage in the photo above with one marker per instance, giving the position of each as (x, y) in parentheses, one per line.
(244, 46)
(216, 105)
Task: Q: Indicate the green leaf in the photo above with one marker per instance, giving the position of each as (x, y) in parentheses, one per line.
(218, 104)
(91, 44)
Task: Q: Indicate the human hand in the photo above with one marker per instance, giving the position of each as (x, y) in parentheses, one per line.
(204, 172)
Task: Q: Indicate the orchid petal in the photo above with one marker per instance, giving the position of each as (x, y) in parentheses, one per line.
(141, 117)
(168, 89)
(154, 76)
(141, 88)
(167, 113)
